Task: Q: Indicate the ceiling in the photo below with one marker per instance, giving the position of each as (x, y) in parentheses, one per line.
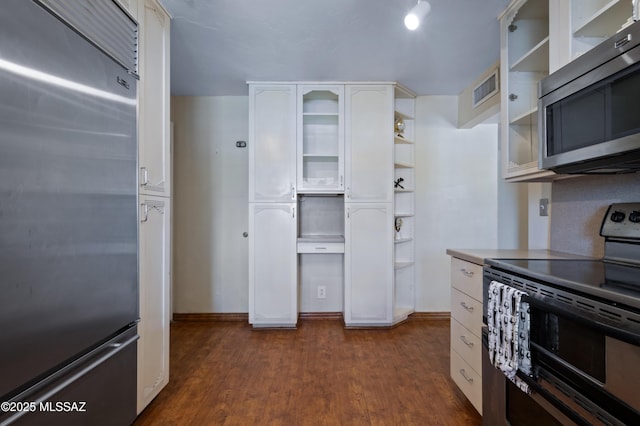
(219, 45)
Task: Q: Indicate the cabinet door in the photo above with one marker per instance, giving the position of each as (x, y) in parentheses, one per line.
(272, 265)
(154, 133)
(320, 138)
(272, 143)
(369, 143)
(155, 258)
(368, 263)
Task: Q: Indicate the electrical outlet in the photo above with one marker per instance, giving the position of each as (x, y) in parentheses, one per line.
(322, 292)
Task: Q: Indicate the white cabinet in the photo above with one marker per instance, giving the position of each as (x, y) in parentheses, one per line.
(272, 143)
(369, 147)
(272, 265)
(155, 261)
(320, 141)
(466, 329)
(524, 61)
(153, 97)
(323, 159)
(368, 264)
(154, 152)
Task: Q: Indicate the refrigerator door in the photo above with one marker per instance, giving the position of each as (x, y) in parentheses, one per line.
(68, 203)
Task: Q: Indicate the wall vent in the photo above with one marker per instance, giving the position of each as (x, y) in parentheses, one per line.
(486, 89)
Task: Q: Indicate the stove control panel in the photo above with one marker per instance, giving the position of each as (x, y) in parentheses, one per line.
(622, 221)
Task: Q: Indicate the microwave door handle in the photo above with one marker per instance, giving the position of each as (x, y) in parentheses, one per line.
(610, 328)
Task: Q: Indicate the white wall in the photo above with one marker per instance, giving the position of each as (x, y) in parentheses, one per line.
(210, 204)
(456, 194)
(456, 200)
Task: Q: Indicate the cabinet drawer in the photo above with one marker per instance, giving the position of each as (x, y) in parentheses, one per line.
(467, 311)
(320, 247)
(467, 345)
(467, 379)
(467, 277)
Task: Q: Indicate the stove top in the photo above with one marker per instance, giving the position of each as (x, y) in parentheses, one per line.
(614, 278)
(606, 280)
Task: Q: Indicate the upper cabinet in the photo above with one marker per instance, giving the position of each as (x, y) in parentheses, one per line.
(272, 143)
(369, 116)
(154, 140)
(524, 61)
(320, 138)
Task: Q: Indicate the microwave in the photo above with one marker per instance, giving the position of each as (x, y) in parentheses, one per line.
(589, 110)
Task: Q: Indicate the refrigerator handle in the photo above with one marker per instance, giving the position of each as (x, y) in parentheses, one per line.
(110, 350)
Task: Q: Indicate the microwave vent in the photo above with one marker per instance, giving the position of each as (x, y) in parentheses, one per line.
(486, 89)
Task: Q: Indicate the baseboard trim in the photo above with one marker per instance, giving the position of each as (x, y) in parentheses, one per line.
(433, 316)
(213, 316)
(303, 316)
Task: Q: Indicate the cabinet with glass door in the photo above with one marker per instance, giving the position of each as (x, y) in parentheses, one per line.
(320, 165)
(524, 42)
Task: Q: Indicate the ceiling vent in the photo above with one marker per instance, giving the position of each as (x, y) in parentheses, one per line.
(486, 89)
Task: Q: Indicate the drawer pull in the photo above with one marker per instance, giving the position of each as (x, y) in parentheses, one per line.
(467, 307)
(466, 342)
(464, 374)
(467, 273)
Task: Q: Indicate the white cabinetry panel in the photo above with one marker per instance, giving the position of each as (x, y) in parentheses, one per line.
(272, 143)
(155, 260)
(368, 263)
(272, 265)
(369, 143)
(154, 131)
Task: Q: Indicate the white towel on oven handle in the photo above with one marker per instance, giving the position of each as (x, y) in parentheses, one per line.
(508, 319)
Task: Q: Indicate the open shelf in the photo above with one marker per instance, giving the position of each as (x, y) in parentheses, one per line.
(536, 59)
(525, 118)
(400, 265)
(403, 240)
(606, 21)
(403, 166)
(400, 140)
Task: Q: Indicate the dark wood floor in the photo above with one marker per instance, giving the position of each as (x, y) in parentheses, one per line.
(225, 373)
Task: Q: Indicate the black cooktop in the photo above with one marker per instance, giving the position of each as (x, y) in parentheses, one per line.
(607, 280)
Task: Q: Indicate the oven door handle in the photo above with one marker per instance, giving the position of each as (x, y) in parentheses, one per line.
(622, 332)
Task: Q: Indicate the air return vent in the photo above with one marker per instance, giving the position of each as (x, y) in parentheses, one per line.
(486, 89)
(103, 23)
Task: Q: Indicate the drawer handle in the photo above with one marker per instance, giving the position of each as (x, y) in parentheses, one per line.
(321, 248)
(468, 308)
(464, 374)
(466, 342)
(467, 273)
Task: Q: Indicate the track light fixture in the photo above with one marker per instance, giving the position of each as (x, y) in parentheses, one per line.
(416, 15)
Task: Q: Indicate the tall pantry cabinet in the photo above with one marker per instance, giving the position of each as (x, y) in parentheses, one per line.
(322, 202)
(154, 196)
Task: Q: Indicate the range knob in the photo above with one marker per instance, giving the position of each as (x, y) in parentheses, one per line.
(617, 216)
(634, 216)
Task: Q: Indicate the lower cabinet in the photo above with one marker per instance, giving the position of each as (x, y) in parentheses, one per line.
(368, 264)
(466, 329)
(272, 265)
(155, 279)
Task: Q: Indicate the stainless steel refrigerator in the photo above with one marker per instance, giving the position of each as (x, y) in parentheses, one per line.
(68, 213)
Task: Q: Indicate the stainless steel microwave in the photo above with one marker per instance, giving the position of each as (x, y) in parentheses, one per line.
(589, 110)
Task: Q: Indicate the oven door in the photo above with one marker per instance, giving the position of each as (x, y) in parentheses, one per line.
(504, 404)
(586, 361)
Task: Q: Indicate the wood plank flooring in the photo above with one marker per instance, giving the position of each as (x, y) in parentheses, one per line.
(225, 373)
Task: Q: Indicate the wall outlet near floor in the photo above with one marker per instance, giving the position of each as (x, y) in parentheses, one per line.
(322, 292)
